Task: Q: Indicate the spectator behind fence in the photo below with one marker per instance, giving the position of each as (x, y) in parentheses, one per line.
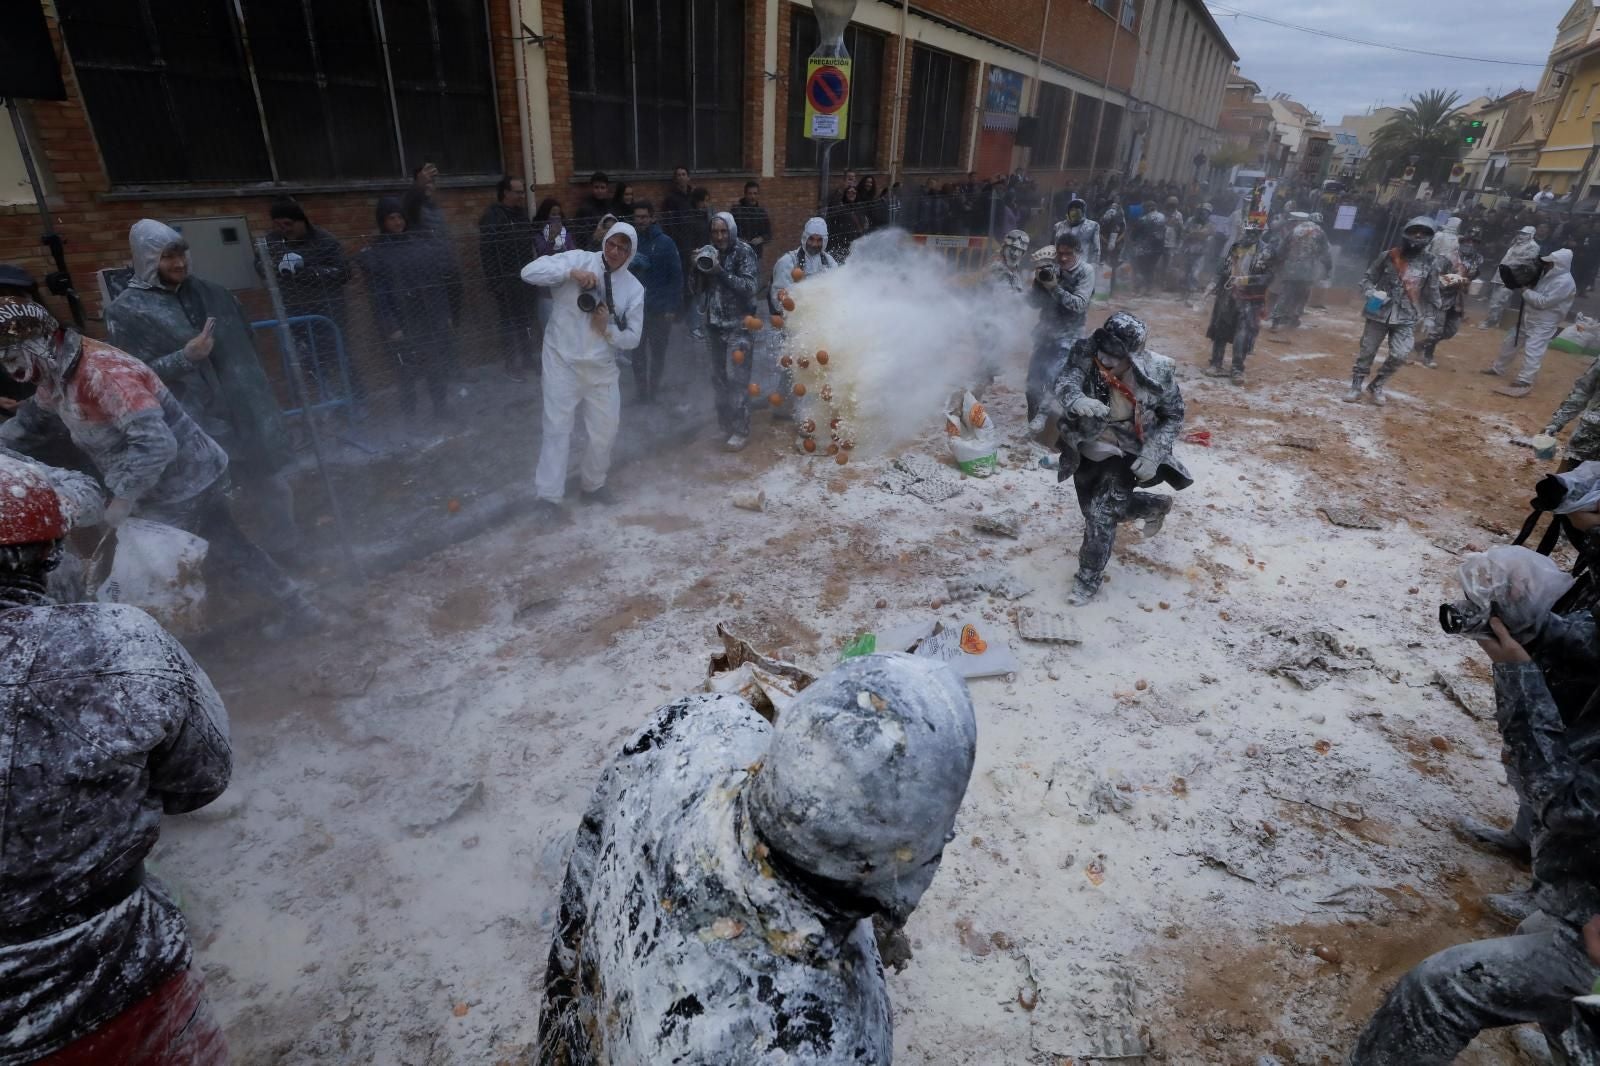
(195, 336)
(754, 226)
(550, 237)
(430, 216)
(657, 267)
(677, 215)
(505, 246)
(406, 271)
(595, 214)
(312, 273)
(846, 223)
(874, 210)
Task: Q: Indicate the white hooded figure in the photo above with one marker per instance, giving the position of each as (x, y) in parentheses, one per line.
(1544, 307)
(720, 900)
(580, 357)
(1524, 250)
(1446, 246)
(811, 258)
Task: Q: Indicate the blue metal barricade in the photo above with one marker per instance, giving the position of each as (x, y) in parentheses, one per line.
(313, 334)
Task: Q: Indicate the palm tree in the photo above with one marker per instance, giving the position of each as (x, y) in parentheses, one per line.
(1426, 131)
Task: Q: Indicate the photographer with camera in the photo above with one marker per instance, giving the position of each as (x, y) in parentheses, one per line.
(1062, 287)
(1441, 1005)
(1122, 412)
(1544, 308)
(725, 274)
(597, 310)
(1523, 252)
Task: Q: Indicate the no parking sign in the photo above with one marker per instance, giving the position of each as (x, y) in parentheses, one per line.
(827, 97)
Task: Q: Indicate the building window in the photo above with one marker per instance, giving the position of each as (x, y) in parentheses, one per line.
(1080, 138)
(859, 150)
(1055, 103)
(1110, 130)
(348, 89)
(1108, 6)
(1588, 101)
(1130, 13)
(938, 102)
(656, 84)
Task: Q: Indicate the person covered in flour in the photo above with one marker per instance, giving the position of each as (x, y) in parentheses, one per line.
(720, 900)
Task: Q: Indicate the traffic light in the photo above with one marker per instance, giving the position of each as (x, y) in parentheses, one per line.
(1473, 132)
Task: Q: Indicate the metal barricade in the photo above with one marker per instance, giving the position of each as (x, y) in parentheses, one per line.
(325, 395)
(965, 255)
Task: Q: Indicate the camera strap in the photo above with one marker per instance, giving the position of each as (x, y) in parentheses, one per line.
(620, 320)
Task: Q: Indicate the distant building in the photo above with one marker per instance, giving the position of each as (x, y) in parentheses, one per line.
(1486, 167)
(1178, 87)
(1246, 119)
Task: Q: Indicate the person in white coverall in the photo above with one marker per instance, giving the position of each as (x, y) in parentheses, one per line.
(580, 360)
(1524, 250)
(1544, 307)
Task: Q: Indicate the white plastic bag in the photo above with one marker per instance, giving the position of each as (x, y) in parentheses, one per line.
(1516, 584)
(1580, 338)
(973, 649)
(1583, 487)
(973, 440)
(158, 568)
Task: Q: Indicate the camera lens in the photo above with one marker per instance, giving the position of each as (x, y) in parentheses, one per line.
(587, 302)
(1450, 619)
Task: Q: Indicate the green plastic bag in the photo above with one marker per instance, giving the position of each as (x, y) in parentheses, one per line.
(865, 644)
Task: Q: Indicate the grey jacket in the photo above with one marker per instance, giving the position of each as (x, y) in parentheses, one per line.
(1063, 309)
(730, 289)
(1414, 294)
(108, 724)
(1159, 415)
(1582, 403)
(1556, 771)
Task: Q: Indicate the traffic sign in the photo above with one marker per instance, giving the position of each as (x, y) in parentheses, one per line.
(1457, 172)
(827, 98)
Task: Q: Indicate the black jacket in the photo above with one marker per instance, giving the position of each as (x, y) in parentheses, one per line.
(505, 246)
(754, 225)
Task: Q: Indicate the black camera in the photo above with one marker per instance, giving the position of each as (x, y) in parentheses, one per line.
(1465, 618)
(587, 301)
(705, 260)
(1047, 273)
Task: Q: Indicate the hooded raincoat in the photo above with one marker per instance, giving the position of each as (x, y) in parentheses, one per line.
(1086, 229)
(783, 271)
(1544, 308)
(109, 724)
(580, 364)
(227, 394)
(730, 295)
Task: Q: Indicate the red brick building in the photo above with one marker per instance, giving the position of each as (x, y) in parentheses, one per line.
(217, 109)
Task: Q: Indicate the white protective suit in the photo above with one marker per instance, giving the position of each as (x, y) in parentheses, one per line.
(1544, 306)
(580, 365)
(1446, 246)
(1524, 250)
(783, 270)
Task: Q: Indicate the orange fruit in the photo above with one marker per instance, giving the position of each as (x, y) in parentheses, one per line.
(834, 424)
(808, 427)
(738, 357)
(822, 357)
(786, 362)
(775, 400)
(804, 362)
(833, 449)
(799, 390)
(810, 445)
(453, 506)
(755, 390)
(797, 274)
(752, 322)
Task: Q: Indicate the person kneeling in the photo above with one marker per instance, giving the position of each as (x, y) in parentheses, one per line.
(1121, 415)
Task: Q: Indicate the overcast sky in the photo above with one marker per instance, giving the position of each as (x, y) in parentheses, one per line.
(1336, 78)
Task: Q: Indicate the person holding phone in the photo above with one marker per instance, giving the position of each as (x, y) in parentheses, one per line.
(195, 336)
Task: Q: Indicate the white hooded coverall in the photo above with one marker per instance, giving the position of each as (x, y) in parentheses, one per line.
(580, 365)
(1544, 307)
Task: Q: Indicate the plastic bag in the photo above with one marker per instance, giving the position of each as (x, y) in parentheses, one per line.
(1583, 488)
(971, 650)
(1580, 338)
(973, 440)
(1518, 585)
(158, 568)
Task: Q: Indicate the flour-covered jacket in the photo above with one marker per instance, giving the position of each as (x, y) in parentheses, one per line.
(730, 289)
(106, 723)
(1412, 287)
(569, 334)
(146, 447)
(1062, 310)
(1547, 303)
(810, 265)
(676, 944)
(1303, 253)
(1157, 419)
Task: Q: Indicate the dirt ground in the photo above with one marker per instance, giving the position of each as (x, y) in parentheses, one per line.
(1166, 846)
